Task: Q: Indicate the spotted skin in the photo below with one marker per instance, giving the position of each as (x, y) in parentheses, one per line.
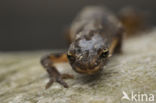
(95, 35)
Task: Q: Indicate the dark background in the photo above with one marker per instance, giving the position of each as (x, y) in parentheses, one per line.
(38, 24)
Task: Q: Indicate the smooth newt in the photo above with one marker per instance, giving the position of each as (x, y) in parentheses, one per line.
(95, 35)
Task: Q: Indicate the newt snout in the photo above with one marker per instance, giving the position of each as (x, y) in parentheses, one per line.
(85, 66)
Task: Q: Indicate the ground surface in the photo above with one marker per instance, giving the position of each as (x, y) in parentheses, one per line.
(22, 79)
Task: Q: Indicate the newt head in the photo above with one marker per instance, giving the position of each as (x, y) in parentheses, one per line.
(88, 53)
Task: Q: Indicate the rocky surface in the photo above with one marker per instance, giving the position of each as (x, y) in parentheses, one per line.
(22, 79)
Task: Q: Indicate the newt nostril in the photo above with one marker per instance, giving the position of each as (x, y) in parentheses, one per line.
(93, 65)
(80, 65)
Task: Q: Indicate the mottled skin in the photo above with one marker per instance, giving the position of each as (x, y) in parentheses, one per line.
(94, 35)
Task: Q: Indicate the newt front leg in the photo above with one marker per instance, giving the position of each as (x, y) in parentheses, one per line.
(48, 62)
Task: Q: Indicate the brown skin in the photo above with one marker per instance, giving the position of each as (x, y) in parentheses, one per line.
(95, 35)
(48, 62)
(133, 20)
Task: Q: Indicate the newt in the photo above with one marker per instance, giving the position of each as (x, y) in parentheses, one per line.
(94, 35)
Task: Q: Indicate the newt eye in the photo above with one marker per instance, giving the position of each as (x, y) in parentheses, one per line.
(71, 57)
(104, 54)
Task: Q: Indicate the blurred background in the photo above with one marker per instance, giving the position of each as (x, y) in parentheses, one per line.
(39, 24)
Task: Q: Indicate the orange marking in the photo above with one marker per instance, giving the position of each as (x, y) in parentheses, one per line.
(62, 58)
(88, 71)
(113, 45)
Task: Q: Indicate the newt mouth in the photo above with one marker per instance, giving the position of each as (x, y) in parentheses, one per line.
(88, 71)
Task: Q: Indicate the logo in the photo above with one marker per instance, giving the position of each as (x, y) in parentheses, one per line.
(138, 97)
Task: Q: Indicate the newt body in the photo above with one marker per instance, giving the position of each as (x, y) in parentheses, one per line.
(133, 20)
(95, 35)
